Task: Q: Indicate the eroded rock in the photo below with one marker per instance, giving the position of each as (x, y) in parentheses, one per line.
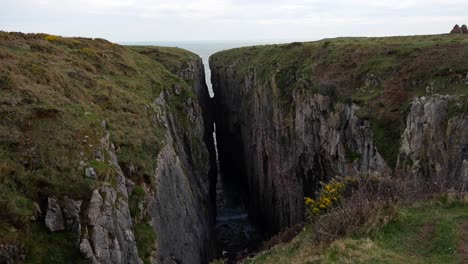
(54, 218)
(71, 211)
(456, 30)
(90, 173)
(434, 145)
(464, 29)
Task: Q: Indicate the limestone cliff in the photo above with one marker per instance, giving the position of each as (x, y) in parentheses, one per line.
(290, 116)
(103, 154)
(434, 147)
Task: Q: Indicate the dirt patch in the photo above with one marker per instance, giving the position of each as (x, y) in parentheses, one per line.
(463, 243)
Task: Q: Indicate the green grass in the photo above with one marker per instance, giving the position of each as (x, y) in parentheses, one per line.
(45, 247)
(146, 241)
(426, 232)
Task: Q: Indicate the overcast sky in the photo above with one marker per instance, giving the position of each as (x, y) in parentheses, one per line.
(252, 20)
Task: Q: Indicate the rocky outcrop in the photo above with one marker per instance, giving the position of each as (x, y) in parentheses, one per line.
(107, 236)
(434, 145)
(456, 30)
(282, 153)
(464, 29)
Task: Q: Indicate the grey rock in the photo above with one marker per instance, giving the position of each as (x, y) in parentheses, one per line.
(85, 249)
(71, 211)
(90, 173)
(10, 254)
(54, 217)
(434, 145)
(94, 208)
(108, 218)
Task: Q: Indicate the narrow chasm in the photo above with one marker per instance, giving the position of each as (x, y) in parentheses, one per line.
(237, 236)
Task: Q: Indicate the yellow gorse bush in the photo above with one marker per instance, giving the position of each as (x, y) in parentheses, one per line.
(329, 196)
(51, 38)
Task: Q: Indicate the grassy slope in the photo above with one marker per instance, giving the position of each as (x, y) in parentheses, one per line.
(379, 74)
(423, 233)
(54, 94)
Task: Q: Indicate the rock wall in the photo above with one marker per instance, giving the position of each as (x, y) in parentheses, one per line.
(434, 145)
(289, 116)
(282, 153)
(181, 210)
(107, 235)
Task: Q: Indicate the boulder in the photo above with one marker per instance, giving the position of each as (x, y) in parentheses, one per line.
(90, 173)
(54, 217)
(464, 29)
(456, 30)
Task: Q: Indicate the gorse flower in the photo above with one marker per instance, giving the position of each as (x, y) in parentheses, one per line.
(51, 38)
(330, 196)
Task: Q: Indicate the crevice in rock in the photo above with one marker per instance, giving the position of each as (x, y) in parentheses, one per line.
(237, 235)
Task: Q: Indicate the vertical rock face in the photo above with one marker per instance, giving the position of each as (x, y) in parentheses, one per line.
(281, 153)
(289, 116)
(108, 235)
(182, 210)
(435, 142)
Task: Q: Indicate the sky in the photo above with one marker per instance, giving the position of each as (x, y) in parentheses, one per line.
(244, 20)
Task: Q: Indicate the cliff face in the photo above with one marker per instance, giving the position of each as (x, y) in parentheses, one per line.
(282, 155)
(290, 116)
(434, 147)
(185, 178)
(102, 153)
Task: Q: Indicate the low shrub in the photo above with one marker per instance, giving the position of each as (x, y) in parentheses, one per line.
(346, 205)
(6, 81)
(51, 38)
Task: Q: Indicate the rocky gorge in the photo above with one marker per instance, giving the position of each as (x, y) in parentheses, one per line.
(291, 116)
(107, 152)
